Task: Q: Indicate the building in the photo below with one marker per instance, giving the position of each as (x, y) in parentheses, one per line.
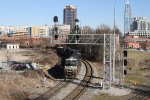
(5, 30)
(140, 23)
(140, 27)
(135, 42)
(70, 14)
(145, 45)
(39, 31)
(20, 31)
(2, 29)
(25, 31)
(17, 31)
(140, 34)
(9, 46)
(87, 30)
(63, 31)
(132, 45)
(135, 26)
(127, 17)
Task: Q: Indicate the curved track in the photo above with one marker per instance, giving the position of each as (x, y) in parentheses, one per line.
(82, 87)
(76, 93)
(53, 91)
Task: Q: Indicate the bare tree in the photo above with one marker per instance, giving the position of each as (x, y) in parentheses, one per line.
(103, 28)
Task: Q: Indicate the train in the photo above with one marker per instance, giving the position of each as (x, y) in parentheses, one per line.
(70, 60)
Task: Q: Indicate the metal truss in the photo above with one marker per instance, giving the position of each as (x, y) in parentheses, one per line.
(113, 51)
(96, 39)
(108, 62)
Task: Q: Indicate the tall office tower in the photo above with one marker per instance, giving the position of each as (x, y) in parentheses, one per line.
(70, 14)
(127, 17)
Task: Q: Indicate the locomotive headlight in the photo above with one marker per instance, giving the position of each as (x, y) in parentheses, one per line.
(70, 67)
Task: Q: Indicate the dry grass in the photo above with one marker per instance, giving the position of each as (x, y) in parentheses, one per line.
(137, 57)
(135, 74)
(18, 87)
(105, 96)
(14, 86)
(45, 58)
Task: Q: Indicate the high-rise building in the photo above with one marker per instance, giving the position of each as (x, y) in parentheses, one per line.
(140, 27)
(70, 14)
(140, 23)
(127, 17)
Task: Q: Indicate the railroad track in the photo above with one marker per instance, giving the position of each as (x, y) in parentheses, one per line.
(140, 94)
(53, 91)
(82, 87)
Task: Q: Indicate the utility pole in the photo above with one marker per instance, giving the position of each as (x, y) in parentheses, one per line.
(113, 44)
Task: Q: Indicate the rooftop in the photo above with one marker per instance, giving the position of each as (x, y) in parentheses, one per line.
(71, 6)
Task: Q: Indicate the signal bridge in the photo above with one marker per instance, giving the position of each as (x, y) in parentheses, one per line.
(106, 40)
(95, 39)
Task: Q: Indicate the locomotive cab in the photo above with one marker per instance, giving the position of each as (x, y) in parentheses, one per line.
(71, 67)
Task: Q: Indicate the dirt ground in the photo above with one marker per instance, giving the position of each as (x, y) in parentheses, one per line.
(26, 85)
(29, 55)
(134, 75)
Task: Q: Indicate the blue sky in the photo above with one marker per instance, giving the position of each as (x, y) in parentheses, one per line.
(90, 12)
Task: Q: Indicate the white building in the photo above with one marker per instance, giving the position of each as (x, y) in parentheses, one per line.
(9, 46)
(140, 23)
(20, 31)
(140, 27)
(14, 30)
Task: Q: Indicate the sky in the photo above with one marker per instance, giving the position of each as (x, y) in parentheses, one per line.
(90, 12)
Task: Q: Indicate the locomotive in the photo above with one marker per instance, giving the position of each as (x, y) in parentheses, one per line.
(71, 61)
(72, 65)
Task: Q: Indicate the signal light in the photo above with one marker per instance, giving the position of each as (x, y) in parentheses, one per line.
(56, 37)
(125, 53)
(125, 62)
(125, 72)
(76, 20)
(76, 28)
(55, 19)
(56, 29)
(77, 37)
(124, 58)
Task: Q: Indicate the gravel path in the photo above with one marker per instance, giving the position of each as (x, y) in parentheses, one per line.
(65, 91)
(96, 89)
